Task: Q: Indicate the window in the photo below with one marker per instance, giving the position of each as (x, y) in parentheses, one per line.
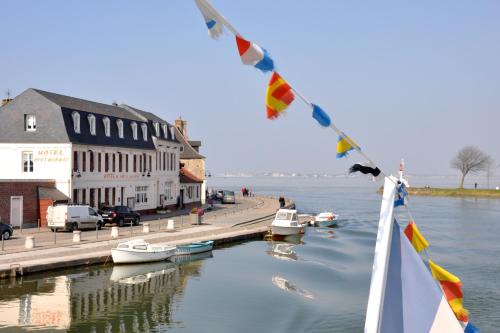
(99, 162)
(76, 122)
(168, 190)
(126, 162)
(114, 162)
(119, 162)
(197, 191)
(164, 162)
(84, 162)
(141, 194)
(119, 124)
(190, 192)
(29, 122)
(144, 128)
(107, 129)
(106, 162)
(27, 161)
(91, 119)
(75, 161)
(157, 129)
(172, 132)
(135, 163)
(91, 160)
(134, 130)
(165, 131)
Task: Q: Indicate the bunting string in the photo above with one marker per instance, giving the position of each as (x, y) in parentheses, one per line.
(279, 96)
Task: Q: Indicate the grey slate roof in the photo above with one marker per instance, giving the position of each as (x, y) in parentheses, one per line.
(51, 193)
(151, 118)
(188, 153)
(88, 106)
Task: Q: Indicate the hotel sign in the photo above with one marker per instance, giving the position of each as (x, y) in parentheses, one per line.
(51, 156)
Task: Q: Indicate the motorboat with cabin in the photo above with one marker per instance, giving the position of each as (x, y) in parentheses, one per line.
(286, 223)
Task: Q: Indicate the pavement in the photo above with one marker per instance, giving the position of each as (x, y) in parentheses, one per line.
(249, 217)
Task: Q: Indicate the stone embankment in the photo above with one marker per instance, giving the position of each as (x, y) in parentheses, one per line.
(249, 218)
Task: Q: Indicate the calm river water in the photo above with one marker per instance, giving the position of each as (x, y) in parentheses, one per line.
(317, 284)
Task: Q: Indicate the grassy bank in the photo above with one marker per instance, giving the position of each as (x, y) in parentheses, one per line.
(453, 192)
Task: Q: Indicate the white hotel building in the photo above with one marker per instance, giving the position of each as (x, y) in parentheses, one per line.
(93, 153)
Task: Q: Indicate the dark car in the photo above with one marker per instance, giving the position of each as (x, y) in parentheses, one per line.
(6, 231)
(119, 215)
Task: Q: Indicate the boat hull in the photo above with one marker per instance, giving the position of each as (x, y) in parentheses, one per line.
(285, 231)
(326, 223)
(194, 248)
(133, 257)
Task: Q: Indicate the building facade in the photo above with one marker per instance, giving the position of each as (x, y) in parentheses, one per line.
(93, 153)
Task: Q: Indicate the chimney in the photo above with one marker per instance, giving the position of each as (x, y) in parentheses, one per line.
(181, 126)
(114, 103)
(5, 101)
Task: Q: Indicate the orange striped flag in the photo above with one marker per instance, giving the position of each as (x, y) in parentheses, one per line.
(416, 239)
(279, 96)
(452, 288)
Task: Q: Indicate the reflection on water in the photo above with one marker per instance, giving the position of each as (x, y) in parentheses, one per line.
(283, 251)
(286, 285)
(121, 298)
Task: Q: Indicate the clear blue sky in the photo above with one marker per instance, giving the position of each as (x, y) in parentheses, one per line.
(408, 79)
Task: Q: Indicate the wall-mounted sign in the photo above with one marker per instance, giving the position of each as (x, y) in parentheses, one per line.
(51, 156)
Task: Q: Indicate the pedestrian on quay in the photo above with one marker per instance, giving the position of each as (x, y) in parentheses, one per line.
(281, 201)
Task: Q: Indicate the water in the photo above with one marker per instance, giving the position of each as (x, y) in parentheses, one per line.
(319, 283)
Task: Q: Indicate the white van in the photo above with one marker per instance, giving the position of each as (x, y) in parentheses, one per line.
(73, 217)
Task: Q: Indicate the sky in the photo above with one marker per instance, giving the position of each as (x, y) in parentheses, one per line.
(405, 79)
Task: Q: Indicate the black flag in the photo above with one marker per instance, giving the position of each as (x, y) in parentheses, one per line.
(364, 169)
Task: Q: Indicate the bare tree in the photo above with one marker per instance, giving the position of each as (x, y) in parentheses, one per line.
(470, 159)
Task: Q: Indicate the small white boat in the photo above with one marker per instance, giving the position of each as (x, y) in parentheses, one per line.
(138, 250)
(286, 223)
(193, 248)
(326, 219)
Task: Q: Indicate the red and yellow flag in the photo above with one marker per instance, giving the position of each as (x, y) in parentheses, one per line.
(416, 239)
(452, 288)
(279, 96)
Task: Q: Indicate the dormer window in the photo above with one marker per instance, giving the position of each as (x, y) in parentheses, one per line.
(157, 129)
(165, 131)
(29, 122)
(134, 130)
(76, 121)
(172, 132)
(91, 119)
(119, 124)
(144, 129)
(107, 129)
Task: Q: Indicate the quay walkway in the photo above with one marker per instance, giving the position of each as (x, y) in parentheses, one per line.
(249, 218)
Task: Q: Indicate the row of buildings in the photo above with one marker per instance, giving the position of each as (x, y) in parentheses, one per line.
(61, 148)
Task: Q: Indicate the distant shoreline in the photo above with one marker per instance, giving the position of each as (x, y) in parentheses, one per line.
(452, 192)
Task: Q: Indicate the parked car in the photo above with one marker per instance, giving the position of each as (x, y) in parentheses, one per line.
(73, 217)
(120, 215)
(219, 194)
(228, 197)
(6, 230)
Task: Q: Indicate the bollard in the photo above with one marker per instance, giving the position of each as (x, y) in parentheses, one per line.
(97, 231)
(2, 241)
(77, 236)
(170, 225)
(114, 232)
(145, 228)
(38, 221)
(55, 235)
(131, 228)
(29, 243)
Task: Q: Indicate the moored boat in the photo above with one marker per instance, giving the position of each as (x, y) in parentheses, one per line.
(326, 219)
(286, 223)
(193, 248)
(138, 250)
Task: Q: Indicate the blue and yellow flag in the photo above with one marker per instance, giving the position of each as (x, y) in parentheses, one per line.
(343, 147)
